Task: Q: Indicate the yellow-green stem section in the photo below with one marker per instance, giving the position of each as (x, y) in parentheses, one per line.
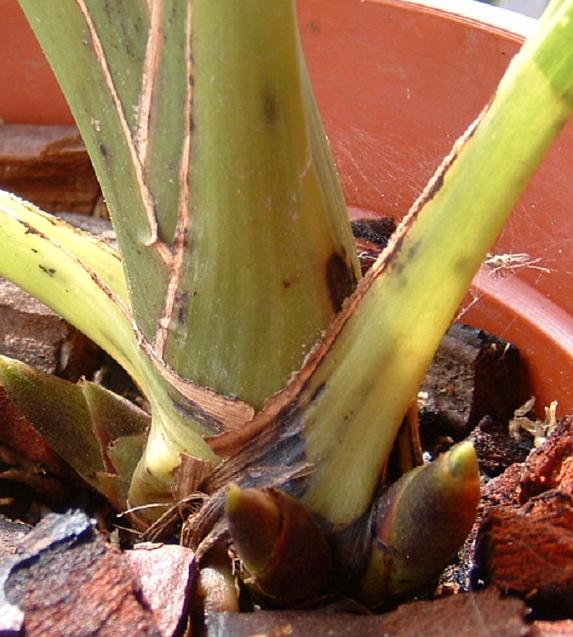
(81, 279)
(373, 370)
(269, 235)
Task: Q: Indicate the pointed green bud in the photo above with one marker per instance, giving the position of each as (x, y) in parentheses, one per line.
(284, 552)
(421, 522)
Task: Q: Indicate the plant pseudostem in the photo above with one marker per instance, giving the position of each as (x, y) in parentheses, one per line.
(236, 304)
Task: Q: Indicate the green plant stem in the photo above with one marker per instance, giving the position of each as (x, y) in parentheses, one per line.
(202, 128)
(82, 279)
(356, 399)
(271, 255)
(204, 133)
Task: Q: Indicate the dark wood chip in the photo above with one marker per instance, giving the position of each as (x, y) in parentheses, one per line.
(49, 166)
(481, 614)
(66, 580)
(529, 552)
(166, 574)
(473, 375)
(496, 448)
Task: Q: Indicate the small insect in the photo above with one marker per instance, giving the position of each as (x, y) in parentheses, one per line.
(502, 264)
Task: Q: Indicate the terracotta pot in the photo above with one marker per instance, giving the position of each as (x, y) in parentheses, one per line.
(397, 82)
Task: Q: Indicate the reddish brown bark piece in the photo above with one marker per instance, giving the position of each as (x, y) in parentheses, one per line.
(66, 580)
(30, 331)
(529, 551)
(49, 166)
(165, 573)
(503, 490)
(550, 466)
(469, 615)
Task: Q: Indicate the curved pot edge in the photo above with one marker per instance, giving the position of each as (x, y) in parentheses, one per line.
(479, 13)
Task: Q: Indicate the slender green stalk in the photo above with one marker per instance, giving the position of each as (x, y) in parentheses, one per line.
(82, 279)
(77, 276)
(361, 390)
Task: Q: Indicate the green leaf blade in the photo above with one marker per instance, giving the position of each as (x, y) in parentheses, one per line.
(101, 101)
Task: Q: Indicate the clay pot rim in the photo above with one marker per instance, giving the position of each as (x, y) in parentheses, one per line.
(479, 12)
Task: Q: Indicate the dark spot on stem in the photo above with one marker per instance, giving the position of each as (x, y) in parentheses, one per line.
(270, 106)
(103, 150)
(182, 307)
(413, 250)
(286, 284)
(48, 271)
(186, 239)
(340, 280)
(29, 229)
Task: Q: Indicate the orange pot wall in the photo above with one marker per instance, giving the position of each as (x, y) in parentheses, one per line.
(30, 93)
(396, 84)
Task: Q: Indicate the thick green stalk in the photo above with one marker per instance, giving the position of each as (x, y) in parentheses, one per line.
(271, 255)
(357, 397)
(267, 258)
(203, 131)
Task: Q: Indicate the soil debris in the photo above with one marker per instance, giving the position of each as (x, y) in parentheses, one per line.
(66, 580)
(482, 614)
